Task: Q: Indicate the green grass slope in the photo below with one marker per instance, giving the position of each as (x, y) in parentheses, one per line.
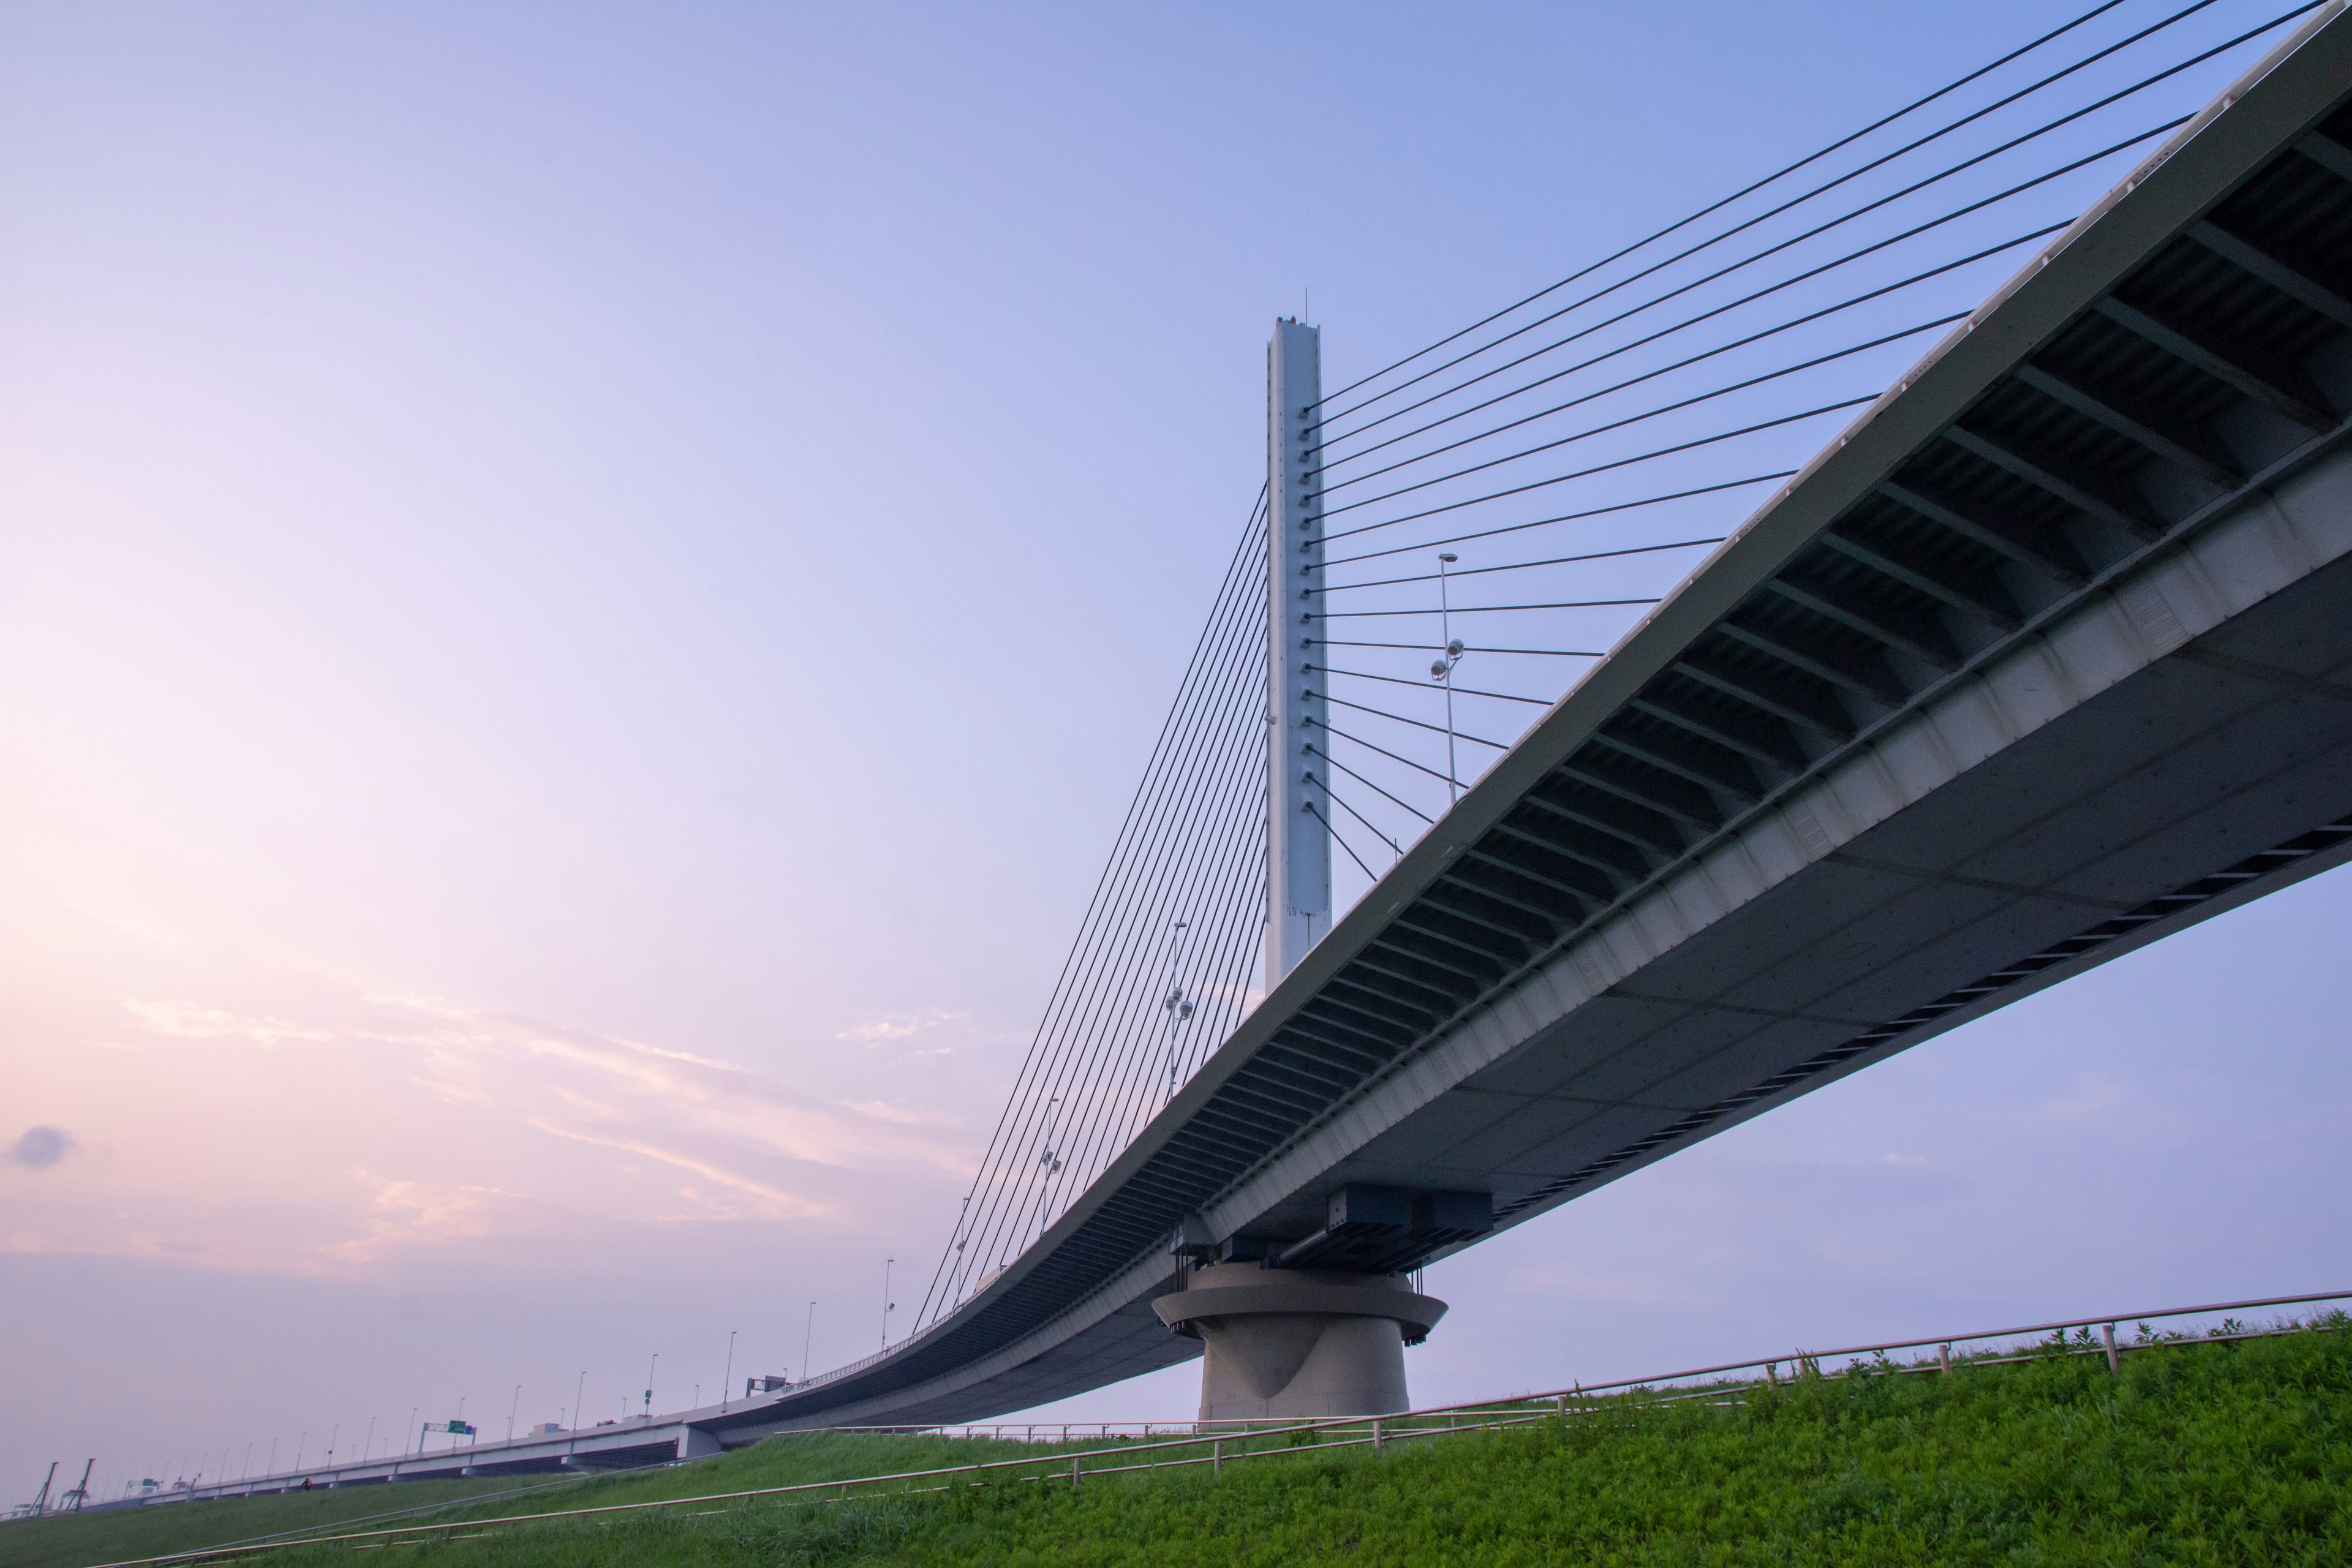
(67, 1540)
(2210, 1453)
(77, 1540)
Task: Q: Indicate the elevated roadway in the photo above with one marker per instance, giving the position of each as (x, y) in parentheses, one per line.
(2048, 655)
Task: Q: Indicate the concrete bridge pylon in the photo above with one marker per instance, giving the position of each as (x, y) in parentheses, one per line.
(1298, 1343)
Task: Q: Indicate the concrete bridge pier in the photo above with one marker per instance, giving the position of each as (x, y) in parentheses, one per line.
(1284, 1343)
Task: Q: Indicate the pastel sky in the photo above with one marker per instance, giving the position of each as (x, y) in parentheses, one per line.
(582, 589)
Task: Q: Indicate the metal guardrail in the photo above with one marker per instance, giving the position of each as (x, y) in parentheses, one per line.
(1357, 1431)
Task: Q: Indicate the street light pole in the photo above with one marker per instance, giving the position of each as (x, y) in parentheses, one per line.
(649, 1384)
(1178, 1006)
(727, 1386)
(887, 1302)
(577, 1416)
(1442, 669)
(807, 1334)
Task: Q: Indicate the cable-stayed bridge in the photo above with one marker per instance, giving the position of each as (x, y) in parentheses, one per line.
(1891, 589)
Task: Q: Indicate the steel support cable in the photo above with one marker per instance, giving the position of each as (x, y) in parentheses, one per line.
(1132, 845)
(1105, 883)
(1078, 1026)
(1238, 908)
(1225, 958)
(1314, 751)
(1426, 686)
(1341, 839)
(1794, 322)
(1081, 1028)
(1476, 609)
(1678, 448)
(1982, 157)
(1774, 249)
(1128, 1081)
(1433, 647)
(1369, 825)
(1358, 740)
(1125, 1078)
(1682, 364)
(1239, 945)
(1109, 883)
(1232, 945)
(1215, 1004)
(1564, 517)
(1004, 1189)
(1589, 431)
(1127, 1037)
(1249, 957)
(1713, 207)
(1225, 794)
(1518, 566)
(1722, 349)
(1243, 945)
(1849, 257)
(1881, 161)
(1418, 724)
(1735, 304)
(1021, 1203)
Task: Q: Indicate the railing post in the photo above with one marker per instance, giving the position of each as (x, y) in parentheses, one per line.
(1299, 887)
(1376, 1434)
(1216, 1456)
(2115, 1363)
(1073, 1472)
(1944, 1356)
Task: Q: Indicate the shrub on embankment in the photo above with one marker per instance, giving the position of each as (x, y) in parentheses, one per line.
(2228, 1453)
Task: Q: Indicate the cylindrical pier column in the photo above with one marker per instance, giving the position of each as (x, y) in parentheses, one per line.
(1296, 1342)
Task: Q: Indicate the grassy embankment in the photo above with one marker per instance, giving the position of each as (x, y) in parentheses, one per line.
(2228, 1453)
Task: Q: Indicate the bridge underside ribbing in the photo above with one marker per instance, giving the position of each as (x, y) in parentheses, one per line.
(2050, 654)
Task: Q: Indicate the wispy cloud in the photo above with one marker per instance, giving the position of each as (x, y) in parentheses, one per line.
(772, 1201)
(901, 1025)
(407, 1215)
(677, 1097)
(192, 1021)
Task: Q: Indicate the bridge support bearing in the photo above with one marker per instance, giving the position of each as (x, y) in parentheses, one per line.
(1285, 1343)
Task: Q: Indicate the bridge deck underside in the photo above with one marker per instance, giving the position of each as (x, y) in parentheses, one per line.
(2207, 760)
(2234, 745)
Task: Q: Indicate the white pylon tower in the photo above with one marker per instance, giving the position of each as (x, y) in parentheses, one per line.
(1298, 842)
